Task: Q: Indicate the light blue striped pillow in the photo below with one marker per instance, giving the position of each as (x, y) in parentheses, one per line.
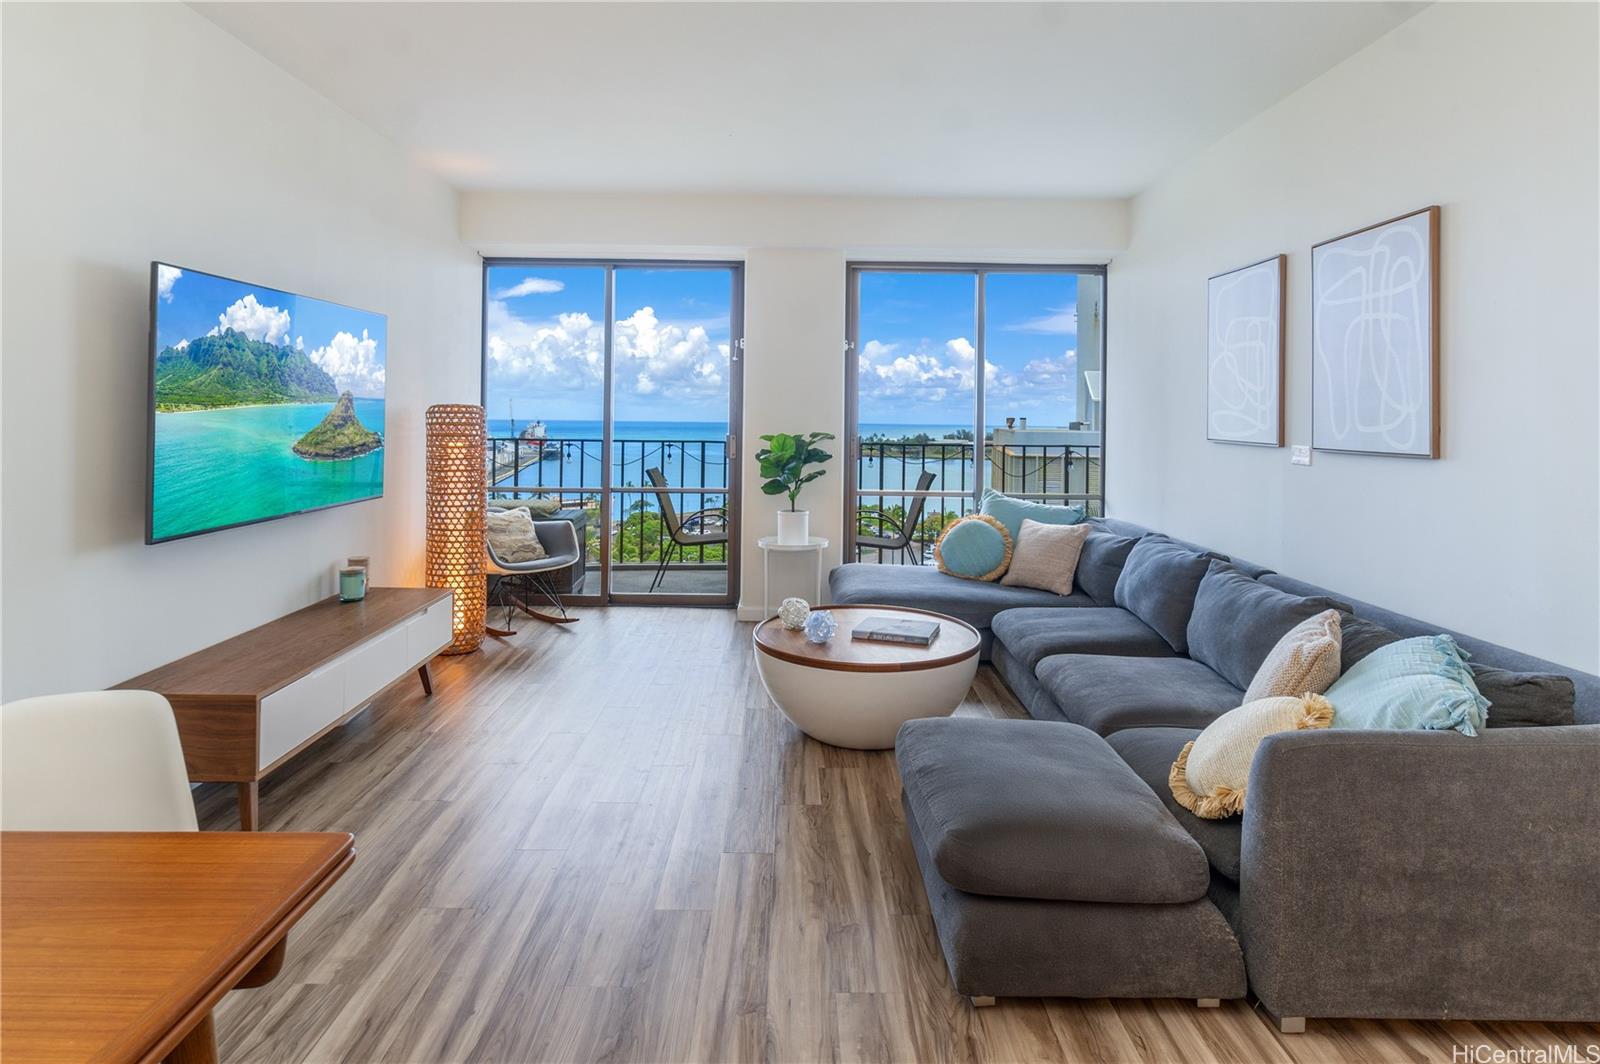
(1423, 682)
(1010, 512)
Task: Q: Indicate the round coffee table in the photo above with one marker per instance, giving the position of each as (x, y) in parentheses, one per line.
(857, 693)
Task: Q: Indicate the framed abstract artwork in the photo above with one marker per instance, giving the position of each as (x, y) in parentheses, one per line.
(1375, 339)
(1244, 354)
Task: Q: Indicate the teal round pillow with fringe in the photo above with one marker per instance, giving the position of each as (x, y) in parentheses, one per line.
(977, 547)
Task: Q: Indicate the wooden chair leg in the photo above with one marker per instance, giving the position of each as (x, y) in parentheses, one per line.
(249, 805)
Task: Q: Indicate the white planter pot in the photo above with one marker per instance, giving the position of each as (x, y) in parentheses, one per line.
(794, 527)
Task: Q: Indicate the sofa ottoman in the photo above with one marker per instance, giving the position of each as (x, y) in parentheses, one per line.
(1052, 870)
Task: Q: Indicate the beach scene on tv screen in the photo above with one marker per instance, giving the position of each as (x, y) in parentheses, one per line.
(266, 403)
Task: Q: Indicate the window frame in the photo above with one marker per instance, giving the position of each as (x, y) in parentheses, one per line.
(852, 369)
(734, 492)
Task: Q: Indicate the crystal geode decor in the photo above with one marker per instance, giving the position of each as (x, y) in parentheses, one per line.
(820, 626)
(793, 613)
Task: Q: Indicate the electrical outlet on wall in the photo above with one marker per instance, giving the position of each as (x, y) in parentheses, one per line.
(1300, 454)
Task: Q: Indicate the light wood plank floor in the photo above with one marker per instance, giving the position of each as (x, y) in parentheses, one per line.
(604, 843)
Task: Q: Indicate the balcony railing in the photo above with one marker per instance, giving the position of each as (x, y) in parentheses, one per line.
(888, 501)
(890, 506)
(568, 469)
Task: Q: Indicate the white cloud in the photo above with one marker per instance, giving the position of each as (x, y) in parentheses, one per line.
(1062, 321)
(353, 364)
(891, 377)
(530, 286)
(166, 277)
(180, 345)
(672, 361)
(299, 343)
(253, 319)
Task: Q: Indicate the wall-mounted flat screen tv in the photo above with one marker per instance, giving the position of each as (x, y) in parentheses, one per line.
(262, 403)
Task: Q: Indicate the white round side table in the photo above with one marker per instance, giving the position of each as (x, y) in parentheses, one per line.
(770, 545)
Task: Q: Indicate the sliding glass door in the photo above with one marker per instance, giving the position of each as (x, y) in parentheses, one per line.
(613, 396)
(929, 429)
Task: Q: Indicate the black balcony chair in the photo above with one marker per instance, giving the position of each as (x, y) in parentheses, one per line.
(891, 535)
(703, 528)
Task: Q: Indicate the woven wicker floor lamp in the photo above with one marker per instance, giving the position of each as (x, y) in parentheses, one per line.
(455, 506)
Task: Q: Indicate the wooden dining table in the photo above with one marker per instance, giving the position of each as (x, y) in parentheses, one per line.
(115, 946)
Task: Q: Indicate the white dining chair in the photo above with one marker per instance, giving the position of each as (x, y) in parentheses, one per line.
(93, 761)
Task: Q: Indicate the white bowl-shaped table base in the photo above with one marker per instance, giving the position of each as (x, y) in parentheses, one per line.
(856, 694)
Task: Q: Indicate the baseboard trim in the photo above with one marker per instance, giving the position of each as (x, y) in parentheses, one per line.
(753, 613)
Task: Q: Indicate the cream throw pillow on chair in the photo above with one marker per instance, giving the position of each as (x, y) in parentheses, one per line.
(1209, 777)
(512, 535)
(1305, 659)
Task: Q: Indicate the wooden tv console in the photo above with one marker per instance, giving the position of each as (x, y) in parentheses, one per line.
(248, 704)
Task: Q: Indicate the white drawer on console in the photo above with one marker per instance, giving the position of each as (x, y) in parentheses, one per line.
(428, 632)
(374, 665)
(293, 714)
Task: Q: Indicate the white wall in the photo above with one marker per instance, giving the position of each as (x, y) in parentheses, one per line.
(795, 249)
(142, 131)
(1489, 111)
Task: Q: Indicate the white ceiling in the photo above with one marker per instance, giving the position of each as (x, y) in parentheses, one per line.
(990, 99)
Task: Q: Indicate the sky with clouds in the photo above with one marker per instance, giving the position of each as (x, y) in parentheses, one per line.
(349, 344)
(546, 344)
(918, 358)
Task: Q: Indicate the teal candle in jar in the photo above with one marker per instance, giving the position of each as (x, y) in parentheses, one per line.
(352, 584)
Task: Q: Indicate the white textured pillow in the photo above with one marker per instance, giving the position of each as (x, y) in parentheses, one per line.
(512, 535)
(1305, 660)
(1209, 777)
(1046, 556)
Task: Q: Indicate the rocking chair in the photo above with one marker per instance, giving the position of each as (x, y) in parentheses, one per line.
(516, 581)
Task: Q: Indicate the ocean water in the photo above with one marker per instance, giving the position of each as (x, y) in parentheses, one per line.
(221, 467)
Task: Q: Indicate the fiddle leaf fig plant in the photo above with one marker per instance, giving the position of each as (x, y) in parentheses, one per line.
(784, 460)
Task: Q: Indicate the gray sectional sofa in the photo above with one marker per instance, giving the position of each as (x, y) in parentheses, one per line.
(1372, 874)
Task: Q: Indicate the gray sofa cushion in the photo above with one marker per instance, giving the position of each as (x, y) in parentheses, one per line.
(1035, 809)
(1525, 699)
(1105, 694)
(1359, 637)
(1150, 752)
(1158, 585)
(1030, 635)
(1100, 563)
(926, 588)
(1024, 684)
(1138, 531)
(1237, 621)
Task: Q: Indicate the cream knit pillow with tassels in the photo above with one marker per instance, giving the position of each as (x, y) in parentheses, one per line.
(1209, 777)
(1305, 659)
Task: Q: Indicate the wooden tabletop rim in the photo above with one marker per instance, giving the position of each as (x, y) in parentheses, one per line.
(908, 663)
(153, 1031)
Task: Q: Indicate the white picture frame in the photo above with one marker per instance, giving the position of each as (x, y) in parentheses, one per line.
(1245, 354)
